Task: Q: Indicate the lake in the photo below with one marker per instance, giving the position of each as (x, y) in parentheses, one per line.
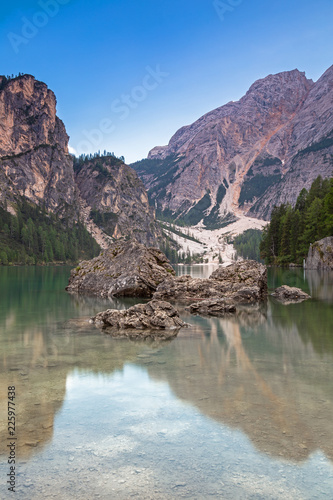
(233, 408)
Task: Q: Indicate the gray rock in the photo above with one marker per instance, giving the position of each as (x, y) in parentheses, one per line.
(212, 307)
(245, 276)
(127, 269)
(320, 255)
(154, 315)
(240, 283)
(290, 295)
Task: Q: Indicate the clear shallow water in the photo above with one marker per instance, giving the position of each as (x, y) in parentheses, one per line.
(232, 408)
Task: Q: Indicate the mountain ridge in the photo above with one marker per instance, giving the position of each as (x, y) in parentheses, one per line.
(235, 159)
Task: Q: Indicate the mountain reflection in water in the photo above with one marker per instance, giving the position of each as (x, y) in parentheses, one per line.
(268, 374)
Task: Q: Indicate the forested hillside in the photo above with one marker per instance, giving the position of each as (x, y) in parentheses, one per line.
(291, 230)
(36, 236)
(247, 244)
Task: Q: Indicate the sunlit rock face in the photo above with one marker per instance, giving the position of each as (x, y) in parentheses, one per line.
(247, 156)
(34, 155)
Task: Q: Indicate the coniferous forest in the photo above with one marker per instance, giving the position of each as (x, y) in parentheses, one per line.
(291, 230)
(35, 236)
(247, 244)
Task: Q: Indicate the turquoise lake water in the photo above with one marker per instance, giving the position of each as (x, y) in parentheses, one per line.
(233, 408)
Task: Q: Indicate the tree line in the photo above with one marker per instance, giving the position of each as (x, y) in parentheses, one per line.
(7, 79)
(286, 239)
(171, 249)
(79, 161)
(36, 236)
(247, 244)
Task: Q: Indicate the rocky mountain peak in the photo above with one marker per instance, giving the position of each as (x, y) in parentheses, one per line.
(286, 90)
(28, 116)
(34, 146)
(246, 156)
(282, 93)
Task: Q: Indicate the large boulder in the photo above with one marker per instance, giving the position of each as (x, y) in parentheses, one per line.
(290, 295)
(320, 255)
(127, 269)
(240, 283)
(243, 275)
(154, 315)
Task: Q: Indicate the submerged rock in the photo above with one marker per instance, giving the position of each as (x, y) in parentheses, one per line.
(154, 315)
(212, 307)
(240, 283)
(127, 269)
(288, 294)
(320, 255)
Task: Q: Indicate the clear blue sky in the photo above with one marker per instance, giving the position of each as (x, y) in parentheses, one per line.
(101, 57)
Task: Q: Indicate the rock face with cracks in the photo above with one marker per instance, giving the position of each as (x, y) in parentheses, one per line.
(125, 269)
(320, 255)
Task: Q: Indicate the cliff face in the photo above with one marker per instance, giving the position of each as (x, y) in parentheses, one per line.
(34, 155)
(246, 156)
(308, 142)
(35, 164)
(118, 199)
(320, 255)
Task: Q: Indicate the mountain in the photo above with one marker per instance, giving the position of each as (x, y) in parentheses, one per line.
(34, 158)
(102, 192)
(116, 199)
(246, 156)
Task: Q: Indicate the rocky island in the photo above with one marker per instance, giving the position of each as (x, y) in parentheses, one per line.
(150, 317)
(290, 295)
(133, 270)
(244, 282)
(125, 269)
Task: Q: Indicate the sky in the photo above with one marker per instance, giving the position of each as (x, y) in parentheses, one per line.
(128, 74)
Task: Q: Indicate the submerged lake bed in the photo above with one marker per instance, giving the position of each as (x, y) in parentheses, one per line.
(237, 407)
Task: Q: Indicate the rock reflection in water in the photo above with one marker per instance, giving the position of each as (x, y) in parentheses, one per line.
(320, 285)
